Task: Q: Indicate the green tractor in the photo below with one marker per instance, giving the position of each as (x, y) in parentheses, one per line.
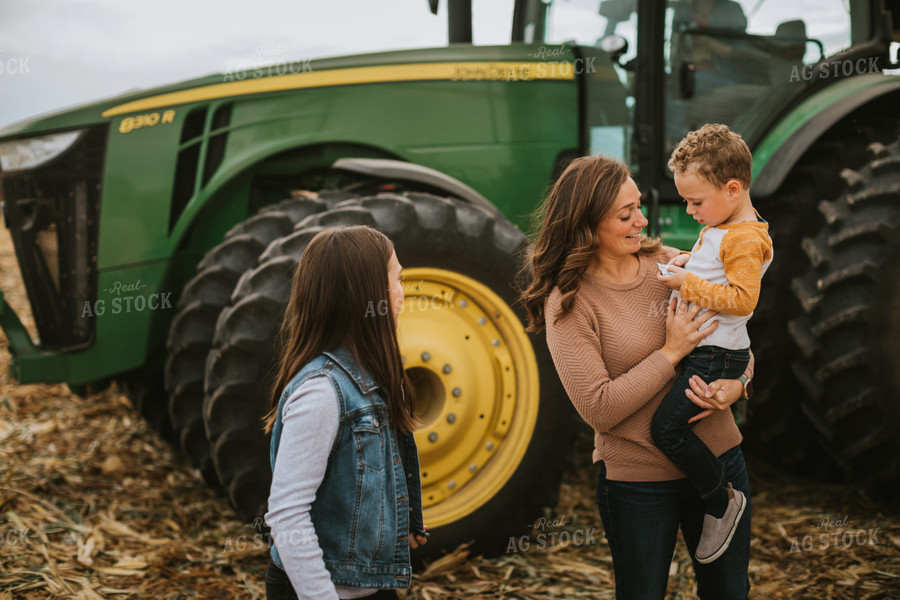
(156, 232)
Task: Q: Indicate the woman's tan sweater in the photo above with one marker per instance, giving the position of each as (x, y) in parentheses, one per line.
(606, 351)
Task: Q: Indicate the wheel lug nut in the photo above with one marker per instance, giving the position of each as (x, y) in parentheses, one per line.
(482, 320)
(426, 356)
(432, 437)
(489, 445)
(495, 342)
(457, 392)
(451, 418)
(452, 485)
(463, 303)
(447, 368)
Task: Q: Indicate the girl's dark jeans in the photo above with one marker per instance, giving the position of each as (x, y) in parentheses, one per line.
(641, 521)
(670, 429)
(278, 587)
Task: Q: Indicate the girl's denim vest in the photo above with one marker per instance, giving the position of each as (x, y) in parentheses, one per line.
(371, 497)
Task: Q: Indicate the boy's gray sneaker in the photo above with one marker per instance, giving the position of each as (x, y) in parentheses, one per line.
(717, 533)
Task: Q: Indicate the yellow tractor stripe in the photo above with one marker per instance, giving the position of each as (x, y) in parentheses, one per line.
(445, 71)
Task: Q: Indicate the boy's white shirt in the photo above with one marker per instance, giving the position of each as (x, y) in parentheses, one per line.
(706, 263)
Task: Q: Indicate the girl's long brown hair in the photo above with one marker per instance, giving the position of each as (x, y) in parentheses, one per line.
(566, 242)
(340, 296)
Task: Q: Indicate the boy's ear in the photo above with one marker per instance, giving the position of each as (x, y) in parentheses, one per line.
(734, 186)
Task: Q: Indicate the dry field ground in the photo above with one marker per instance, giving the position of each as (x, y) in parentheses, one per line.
(94, 505)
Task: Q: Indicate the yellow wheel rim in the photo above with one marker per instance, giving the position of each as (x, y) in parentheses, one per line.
(477, 389)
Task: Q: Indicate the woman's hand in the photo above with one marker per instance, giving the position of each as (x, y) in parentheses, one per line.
(417, 539)
(683, 330)
(718, 395)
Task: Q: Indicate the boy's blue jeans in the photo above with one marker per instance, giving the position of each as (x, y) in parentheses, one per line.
(641, 522)
(670, 429)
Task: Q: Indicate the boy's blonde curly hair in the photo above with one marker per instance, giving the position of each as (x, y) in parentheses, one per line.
(719, 153)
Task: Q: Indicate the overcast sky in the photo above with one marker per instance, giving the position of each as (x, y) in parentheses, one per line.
(73, 51)
(68, 52)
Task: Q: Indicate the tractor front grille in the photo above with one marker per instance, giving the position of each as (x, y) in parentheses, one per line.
(52, 212)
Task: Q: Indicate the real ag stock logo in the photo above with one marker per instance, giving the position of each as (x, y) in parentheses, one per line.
(835, 68)
(126, 298)
(551, 533)
(263, 63)
(17, 65)
(834, 534)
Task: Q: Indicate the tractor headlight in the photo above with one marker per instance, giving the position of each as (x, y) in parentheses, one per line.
(18, 155)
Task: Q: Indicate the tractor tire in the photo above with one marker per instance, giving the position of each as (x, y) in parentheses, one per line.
(495, 433)
(145, 391)
(850, 326)
(203, 298)
(777, 428)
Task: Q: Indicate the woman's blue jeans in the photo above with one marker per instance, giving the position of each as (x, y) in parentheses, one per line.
(641, 521)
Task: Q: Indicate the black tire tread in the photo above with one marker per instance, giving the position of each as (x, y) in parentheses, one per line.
(203, 298)
(234, 404)
(146, 393)
(777, 428)
(844, 297)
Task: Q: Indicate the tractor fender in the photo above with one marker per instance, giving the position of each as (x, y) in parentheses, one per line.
(406, 171)
(783, 146)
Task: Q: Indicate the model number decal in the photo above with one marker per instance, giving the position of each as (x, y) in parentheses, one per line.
(146, 120)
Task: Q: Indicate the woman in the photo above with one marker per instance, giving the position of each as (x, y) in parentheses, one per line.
(616, 339)
(345, 502)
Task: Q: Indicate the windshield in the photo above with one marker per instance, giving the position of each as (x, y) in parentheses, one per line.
(735, 61)
(587, 23)
(726, 61)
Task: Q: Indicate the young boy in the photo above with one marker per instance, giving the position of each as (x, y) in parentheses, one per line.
(712, 168)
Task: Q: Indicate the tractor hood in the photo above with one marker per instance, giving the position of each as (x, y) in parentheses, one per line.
(460, 62)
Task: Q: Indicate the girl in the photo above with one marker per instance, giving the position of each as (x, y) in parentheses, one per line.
(345, 502)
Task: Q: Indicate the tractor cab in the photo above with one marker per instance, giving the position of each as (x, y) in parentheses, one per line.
(684, 63)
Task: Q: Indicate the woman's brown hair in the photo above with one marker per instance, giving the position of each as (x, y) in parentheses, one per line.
(584, 195)
(342, 275)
